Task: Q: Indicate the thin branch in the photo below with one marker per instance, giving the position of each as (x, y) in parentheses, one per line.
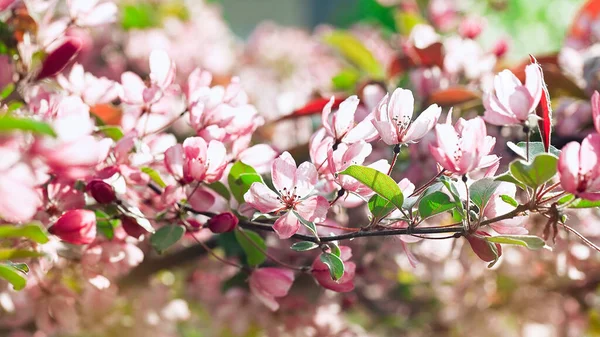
(583, 238)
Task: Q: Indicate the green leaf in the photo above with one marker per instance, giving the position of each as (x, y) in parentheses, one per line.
(22, 267)
(303, 246)
(139, 16)
(451, 187)
(355, 52)
(535, 173)
(221, 189)
(241, 177)
(12, 123)
(377, 181)
(380, 207)
(345, 79)
(166, 236)
(578, 203)
(509, 200)
(154, 175)
(106, 225)
(13, 254)
(254, 256)
(535, 148)
(406, 21)
(335, 249)
(482, 190)
(435, 203)
(7, 90)
(335, 265)
(308, 224)
(31, 231)
(530, 241)
(507, 177)
(15, 105)
(113, 132)
(13, 275)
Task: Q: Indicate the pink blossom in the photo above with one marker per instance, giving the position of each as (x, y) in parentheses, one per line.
(101, 191)
(466, 57)
(195, 161)
(91, 89)
(75, 226)
(89, 13)
(512, 102)
(471, 27)
(132, 228)
(342, 126)
(162, 74)
(293, 186)
(464, 147)
(320, 272)
(222, 223)
(270, 283)
(393, 118)
(19, 199)
(578, 168)
(59, 57)
(596, 110)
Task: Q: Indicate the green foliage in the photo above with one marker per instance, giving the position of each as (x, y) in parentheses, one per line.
(32, 231)
(154, 176)
(221, 189)
(355, 52)
(12, 123)
(482, 191)
(113, 132)
(509, 200)
(250, 243)
(335, 265)
(529, 241)
(377, 181)
(535, 148)
(14, 274)
(536, 172)
(241, 177)
(435, 203)
(166, 236)
(303, 246)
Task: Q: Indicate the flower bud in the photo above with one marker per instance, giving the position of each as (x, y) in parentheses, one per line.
(131, 227)
(224, 222)
(75, 226)
(101, 191)
(59, 58)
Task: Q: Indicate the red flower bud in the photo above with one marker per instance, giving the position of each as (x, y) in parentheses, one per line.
(483, 248)
(132, 228)
(59, 58)
(224, 222)
(101, 191)
(75, 226)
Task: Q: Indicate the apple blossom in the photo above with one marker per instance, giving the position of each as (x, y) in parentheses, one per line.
(578, 168)
(512, 102)
(393, 118)
(342, 126)
(89, 13)
(268, 284)
(75, 226)
(222, 223)
(293, 186)
(196, 161)
(464, 147)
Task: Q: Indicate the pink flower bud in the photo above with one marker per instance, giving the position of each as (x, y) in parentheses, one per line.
(269, 283)
(76, 226)
(132, 228)
(470, 28)
(500, 48)
(222, 223)
(59, 58)
(101, 191)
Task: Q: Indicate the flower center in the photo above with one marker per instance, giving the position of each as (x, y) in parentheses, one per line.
(288, 197)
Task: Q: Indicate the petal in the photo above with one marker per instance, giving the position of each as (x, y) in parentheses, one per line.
(174, 160)
(401, 105)
(216, 159)
(589, 155)
(596, 110)
(286, 226)
(423, 124)
(325, 116)
(568, 167)
(162, 69)
(306, 179)
(133, 88)
(262, 198)
(533, 83)
(344, 118)
(362, 131)
(505, 84)
(201, 200)
(283, 172)
(520, 103)
(313, 209)
(195, 148)
(387, 132)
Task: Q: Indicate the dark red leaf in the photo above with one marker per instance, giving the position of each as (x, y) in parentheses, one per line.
(59, 58)
(544, 110)
(483, 248)
(452, 96)
(413, 57)
(314, 107)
